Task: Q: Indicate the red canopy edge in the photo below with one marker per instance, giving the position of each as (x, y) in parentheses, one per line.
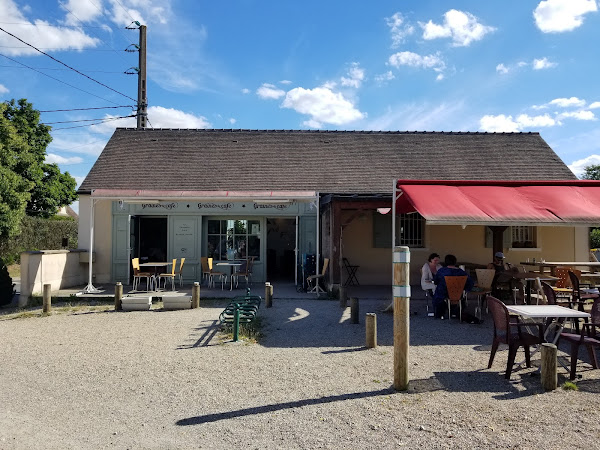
(465, 202)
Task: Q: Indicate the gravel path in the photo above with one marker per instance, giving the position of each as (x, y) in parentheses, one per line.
(169, 379)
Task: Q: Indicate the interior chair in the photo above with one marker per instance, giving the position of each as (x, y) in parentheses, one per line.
(514, 334)
(169, 276)
(351, 279)
(138, 274)
(485, 279)
(178, 273)
(589, 336)
(455, 286)
(316, 278)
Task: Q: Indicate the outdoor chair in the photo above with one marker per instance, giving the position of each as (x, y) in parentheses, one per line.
(455, 286)
(316, 278)
(351, 279)
(589, 336)
(514, 334)
(485, 279)
(169, 276)
(178, 273)
(244, 271)
(579, 298)
(138, 274)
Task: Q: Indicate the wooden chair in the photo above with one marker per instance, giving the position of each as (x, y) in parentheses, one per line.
(485, 279)
(169, 276)
(179, 273)
(138, 274)
(245, 271)
(205, 270)
(316, 278)
(589, 336)
(579, 298)
(455, 287)
(504, 334)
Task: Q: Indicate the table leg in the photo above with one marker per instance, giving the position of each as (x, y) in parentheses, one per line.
(528, 289)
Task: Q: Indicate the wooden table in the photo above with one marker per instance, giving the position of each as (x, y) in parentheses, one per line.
(529, 278)
(554, 264)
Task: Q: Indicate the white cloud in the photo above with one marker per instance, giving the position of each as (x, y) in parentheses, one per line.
(356, 75)
(398, 29)
(543, 63)
(506, 124)
(555, 16)
(578, 115)
(54, 158)
(411, 59)
(382, 78)
(147, 12)
(578, 167)
(232, 121)
(285, 82)
(567, 102)
(159, 117)
(269, 91)
(312, 124)
(38, 33)
(4, 89)
(501, 68)
(245, 91)
(78, 11)
(462, 27)
(594, 105)
(323, 105)
(423, 116)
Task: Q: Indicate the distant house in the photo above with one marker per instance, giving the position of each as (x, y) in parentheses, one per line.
(279, 195)
(67, 211)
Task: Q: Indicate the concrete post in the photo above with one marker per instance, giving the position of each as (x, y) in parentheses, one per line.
(47, 298)
(118, 296)
(196, 295)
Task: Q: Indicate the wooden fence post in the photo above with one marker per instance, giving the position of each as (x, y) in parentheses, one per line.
(196, 295)
(549, 375)
(343, 297)
(118, 296)
(371, 330)
(401, 293)
(47, 298)
(353, 310)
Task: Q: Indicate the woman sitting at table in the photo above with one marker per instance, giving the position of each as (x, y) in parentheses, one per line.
(428, 271)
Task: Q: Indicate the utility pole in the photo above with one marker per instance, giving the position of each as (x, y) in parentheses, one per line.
(142, 111)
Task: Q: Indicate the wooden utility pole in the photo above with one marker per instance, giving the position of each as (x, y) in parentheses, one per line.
(401, 292)
(142, 106)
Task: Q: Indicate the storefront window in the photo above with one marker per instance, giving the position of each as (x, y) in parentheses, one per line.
(233, 239)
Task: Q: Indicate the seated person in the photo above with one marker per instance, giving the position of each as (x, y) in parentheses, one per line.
(441, 292)
(498, 263)
(428, 271)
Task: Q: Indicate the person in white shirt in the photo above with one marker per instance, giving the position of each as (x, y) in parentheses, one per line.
(428, 272)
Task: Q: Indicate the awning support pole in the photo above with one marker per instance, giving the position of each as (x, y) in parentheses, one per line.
(90, 289)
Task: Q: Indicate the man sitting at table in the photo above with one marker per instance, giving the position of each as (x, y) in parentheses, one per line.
(498, 263)
(441, 291)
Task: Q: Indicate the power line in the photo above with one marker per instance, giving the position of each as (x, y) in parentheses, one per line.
(102, 12)
(53, 68)
(57, 48)
(86, 109)
(50, 25)
(91, 124)
(121, 5)
(66, 65)
(79, 120)
(60, 81)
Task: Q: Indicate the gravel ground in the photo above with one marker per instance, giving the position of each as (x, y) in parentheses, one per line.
(169, 379)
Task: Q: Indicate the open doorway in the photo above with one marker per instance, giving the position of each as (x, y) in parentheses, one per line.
(281, 245)
(151, 239)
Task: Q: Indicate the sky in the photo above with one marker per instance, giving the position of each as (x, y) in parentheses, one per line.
(409, 65)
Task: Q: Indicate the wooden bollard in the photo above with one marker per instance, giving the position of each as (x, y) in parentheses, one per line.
(47, 298)
(268, 295)
(549, 375)
(343, 297)
(118, 296)
(196, 295)
(371, 330)
(401, 292)
(353, 310)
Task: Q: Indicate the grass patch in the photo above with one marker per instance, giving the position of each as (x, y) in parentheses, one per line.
(251, 332)
(570, 386)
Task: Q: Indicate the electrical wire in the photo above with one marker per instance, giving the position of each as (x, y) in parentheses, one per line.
(60, 81)
(51, 68)
(80, 120)
(127, 12)
(102, 12)
(91, 124)
(66, 65)
(86, 109)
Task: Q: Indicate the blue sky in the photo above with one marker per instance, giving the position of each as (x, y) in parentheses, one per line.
(496, 65)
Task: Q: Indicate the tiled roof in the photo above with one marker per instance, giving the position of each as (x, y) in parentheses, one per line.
(324, 161)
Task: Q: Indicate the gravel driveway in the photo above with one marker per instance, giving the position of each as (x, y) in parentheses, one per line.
(169, 379)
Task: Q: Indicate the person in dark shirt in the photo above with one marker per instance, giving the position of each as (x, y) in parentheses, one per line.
(498, 263)
(441, 291)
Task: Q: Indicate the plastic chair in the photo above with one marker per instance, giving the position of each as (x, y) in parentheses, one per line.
(169, 276)
(589, 336)
(504, 334)
(179, 274)
(316, 278)
(455, 287)
(137, 275)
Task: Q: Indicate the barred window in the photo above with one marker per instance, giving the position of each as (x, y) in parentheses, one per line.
(523, 237)
(410, 230)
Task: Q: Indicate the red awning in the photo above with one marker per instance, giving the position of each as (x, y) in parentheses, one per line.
(575, 202)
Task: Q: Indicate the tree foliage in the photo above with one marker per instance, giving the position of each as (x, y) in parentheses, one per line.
(591, 172)
(28, 185)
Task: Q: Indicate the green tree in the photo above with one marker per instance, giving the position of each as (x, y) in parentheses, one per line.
(23, 140)
(591, 172)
